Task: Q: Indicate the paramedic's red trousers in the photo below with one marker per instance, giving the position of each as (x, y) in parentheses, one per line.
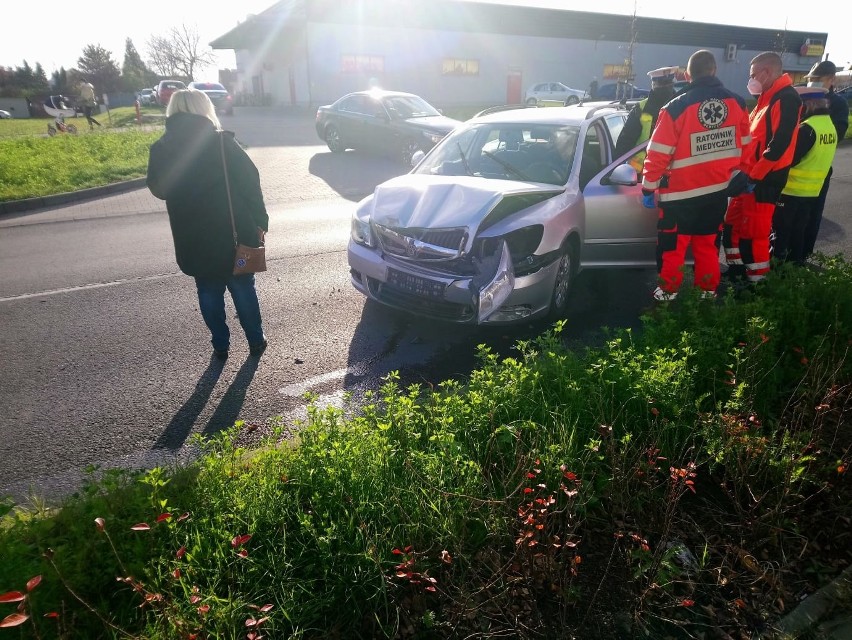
(748, 224)
(705, 250)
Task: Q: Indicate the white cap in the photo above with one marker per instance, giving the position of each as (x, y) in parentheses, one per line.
(808, 92)
(663, 75)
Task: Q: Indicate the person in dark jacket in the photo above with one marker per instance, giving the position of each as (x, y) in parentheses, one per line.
(186, 169)
(823, 74)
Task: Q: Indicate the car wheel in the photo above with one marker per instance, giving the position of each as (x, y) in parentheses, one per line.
(531, 102)
(565, 272)
(332, 139)
(409, 148)
(571, 100)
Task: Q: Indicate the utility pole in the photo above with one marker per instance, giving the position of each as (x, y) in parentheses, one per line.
(629, 61)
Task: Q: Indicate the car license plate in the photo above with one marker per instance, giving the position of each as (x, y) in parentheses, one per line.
(416, 284)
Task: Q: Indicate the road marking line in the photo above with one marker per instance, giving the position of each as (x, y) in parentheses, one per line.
(84, 287)
(298, 389)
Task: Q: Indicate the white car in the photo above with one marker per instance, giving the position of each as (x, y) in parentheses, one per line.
(553, 92)
(495, 222)
(146, 97)
(4, 114)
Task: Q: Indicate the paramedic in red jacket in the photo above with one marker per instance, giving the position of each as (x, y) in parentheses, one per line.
(694, 150)
(774, 126)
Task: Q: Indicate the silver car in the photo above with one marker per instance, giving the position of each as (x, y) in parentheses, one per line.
(493, 225)
(554, 92)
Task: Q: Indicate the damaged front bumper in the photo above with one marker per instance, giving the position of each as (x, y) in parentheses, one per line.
(497, 297)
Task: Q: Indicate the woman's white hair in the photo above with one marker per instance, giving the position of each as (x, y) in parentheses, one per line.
(193, 101)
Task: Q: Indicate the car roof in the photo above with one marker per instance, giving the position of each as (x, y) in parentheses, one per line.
(575, 114)
(381, 93)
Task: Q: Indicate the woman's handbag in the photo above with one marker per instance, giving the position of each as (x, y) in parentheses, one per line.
(247, 259)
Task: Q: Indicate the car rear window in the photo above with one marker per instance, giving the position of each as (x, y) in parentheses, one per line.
(208, 86)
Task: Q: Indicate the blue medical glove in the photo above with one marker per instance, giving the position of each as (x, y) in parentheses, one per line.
(750, 186)
(648, 200)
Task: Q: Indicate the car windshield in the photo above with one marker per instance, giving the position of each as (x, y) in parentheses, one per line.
(405, 107)
(520, 152)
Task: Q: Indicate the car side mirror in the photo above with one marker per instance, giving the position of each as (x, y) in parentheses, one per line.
(624, 175)
(416, 157)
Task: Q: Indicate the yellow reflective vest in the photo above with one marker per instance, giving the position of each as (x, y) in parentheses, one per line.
(806, 178)
(646, 120)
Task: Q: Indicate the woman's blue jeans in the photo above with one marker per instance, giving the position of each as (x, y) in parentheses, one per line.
(211, 299)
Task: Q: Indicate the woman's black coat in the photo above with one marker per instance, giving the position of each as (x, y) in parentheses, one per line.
(185, 169)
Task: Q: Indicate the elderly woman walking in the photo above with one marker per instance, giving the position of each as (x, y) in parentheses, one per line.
(186, 168)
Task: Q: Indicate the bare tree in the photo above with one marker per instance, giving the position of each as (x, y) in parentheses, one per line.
(178, 53)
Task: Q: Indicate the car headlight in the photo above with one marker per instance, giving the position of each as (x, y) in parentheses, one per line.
(361, 232)
(494, 294)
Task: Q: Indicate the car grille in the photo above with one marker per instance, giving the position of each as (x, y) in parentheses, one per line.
(422, 244)
(425, 307)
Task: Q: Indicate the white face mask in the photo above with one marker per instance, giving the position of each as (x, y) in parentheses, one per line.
(754, 87)
(814, 84)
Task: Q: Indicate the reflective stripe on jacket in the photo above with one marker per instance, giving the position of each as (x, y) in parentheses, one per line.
(698, 141)
(806, 177)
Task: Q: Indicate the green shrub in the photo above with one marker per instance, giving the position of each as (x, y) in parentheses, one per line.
(622, 484)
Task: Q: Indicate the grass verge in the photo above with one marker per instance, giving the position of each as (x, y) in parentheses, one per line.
(36, 165)
(688, 481)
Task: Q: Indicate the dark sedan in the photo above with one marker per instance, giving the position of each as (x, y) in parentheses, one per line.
(388, 122)
(620, 90)
(218, 95)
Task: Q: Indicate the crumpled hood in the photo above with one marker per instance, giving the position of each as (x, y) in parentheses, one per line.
(436, 202)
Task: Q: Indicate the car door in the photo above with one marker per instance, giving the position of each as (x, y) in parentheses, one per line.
(379, 132)
(349, 120)
(560, 92)
(619, 231)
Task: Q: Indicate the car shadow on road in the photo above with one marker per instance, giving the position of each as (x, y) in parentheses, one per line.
(429, 352)
(227, 411)
(353, 174)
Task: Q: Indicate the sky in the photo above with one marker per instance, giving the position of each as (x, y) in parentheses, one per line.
(55, 33)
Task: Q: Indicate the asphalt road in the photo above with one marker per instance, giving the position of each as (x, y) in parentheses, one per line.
(105, 358)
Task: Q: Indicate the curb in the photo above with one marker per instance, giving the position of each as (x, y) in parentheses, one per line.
(17, 206)
(816, 611)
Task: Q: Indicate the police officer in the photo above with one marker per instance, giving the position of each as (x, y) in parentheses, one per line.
(637, 129)
(822, 74)
(815, 146)
(643, 116)
(696, 146)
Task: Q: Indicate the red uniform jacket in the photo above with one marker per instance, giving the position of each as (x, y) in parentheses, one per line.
(774, 125)
(697, 143)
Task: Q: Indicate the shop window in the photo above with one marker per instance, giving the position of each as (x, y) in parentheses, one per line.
(363, 64)
(460, 67)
